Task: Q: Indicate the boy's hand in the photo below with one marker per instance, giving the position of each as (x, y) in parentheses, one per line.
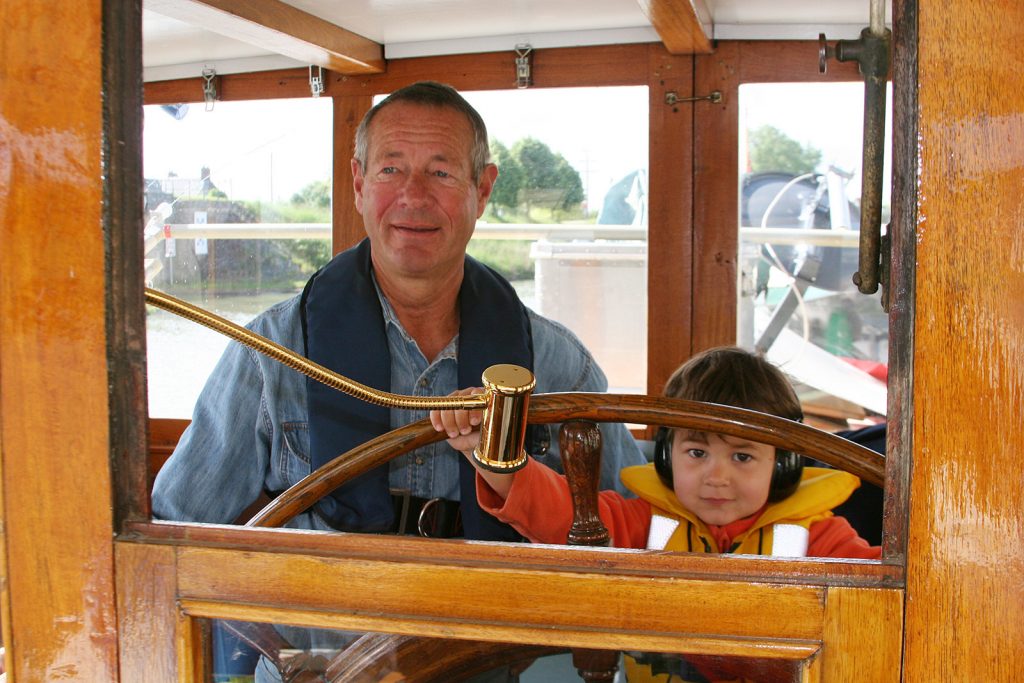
(462, 426)
(463, 429)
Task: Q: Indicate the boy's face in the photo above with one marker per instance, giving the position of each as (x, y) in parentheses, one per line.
(721, 478)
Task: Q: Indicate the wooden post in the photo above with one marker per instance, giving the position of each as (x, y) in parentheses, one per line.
(58, 566)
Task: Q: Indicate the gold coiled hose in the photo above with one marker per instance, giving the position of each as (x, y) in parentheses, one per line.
(307, 367)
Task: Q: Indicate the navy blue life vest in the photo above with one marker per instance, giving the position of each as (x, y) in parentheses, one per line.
(343, 329)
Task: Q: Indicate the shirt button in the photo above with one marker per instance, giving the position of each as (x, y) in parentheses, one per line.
(419, 460)
(423, 383)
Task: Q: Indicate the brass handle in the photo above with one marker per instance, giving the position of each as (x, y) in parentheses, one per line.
(503, 429)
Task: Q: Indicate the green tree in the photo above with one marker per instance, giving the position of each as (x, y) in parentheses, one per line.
(317, 193)
(550, 180)
(510, 178)
(568, 179)
(773, 150)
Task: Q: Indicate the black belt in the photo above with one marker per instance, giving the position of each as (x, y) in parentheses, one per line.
(430, 517)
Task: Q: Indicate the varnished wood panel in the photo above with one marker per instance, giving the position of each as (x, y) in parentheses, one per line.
(670, 238)
(810, 672)
(164, 434)
(821, 572)
(788, 61)
(518, 599)
(5, 593)
(190, 646)
(147, 611)
(551, 68)
(964, 561)
(684, 27)
(54, 420)
(900, 290)
(716, 215)
(122, 215)
(259, 85)
(862, 638)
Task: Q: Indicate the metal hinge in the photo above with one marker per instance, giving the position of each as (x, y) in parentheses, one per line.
(672, 98)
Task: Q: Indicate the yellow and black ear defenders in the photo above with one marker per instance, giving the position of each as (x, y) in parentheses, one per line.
(789, 467)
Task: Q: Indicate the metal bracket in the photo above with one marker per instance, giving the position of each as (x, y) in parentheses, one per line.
(672, 98)
(209, 87)
(316, 83)
(524, 78)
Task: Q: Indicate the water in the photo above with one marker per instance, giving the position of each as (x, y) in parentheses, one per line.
(182, 353)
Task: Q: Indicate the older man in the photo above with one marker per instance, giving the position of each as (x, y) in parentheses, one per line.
(405, 310)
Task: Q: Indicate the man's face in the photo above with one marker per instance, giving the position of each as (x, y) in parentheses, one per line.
(721, 478)
(417, 195)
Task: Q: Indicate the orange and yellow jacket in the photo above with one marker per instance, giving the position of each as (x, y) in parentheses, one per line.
(539, 506)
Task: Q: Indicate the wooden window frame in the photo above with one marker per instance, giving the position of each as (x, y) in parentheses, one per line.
(670, 212)
(213, 571)
(692, 245)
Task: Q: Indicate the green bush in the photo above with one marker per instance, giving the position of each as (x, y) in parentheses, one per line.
(511, 258)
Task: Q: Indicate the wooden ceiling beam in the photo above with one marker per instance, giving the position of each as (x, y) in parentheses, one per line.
(276, 26)
(683, 25)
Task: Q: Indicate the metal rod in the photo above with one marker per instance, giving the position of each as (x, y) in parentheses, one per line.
(672, 97)
(872, 165)
(877, 18)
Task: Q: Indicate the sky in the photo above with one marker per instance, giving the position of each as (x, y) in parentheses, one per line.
(255, 150)
(271, 149)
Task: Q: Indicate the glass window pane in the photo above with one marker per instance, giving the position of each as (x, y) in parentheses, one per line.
(800, 173)
(567, 222)
(240, 649)
(238, 202)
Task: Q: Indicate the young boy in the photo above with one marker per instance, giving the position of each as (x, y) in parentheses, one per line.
(704, 492)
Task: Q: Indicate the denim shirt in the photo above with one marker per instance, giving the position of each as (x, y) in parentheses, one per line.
(249, 430)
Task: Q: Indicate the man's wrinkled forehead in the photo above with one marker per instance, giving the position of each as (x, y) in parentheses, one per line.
(443, 130)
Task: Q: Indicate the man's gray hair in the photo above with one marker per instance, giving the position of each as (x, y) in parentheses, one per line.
(432, 94)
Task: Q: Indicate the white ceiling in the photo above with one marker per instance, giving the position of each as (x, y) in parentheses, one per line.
(409, 28)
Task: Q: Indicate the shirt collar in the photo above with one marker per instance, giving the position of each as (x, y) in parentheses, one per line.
(391, 320)
(724, 534)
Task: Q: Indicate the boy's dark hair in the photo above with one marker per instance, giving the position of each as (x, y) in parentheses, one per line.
(732, 376)
(434, 94)
(735, 377)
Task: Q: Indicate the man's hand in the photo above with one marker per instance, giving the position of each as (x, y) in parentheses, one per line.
(462, 426)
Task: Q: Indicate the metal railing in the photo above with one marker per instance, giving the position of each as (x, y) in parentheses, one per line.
(504, 231)
(510, 231)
